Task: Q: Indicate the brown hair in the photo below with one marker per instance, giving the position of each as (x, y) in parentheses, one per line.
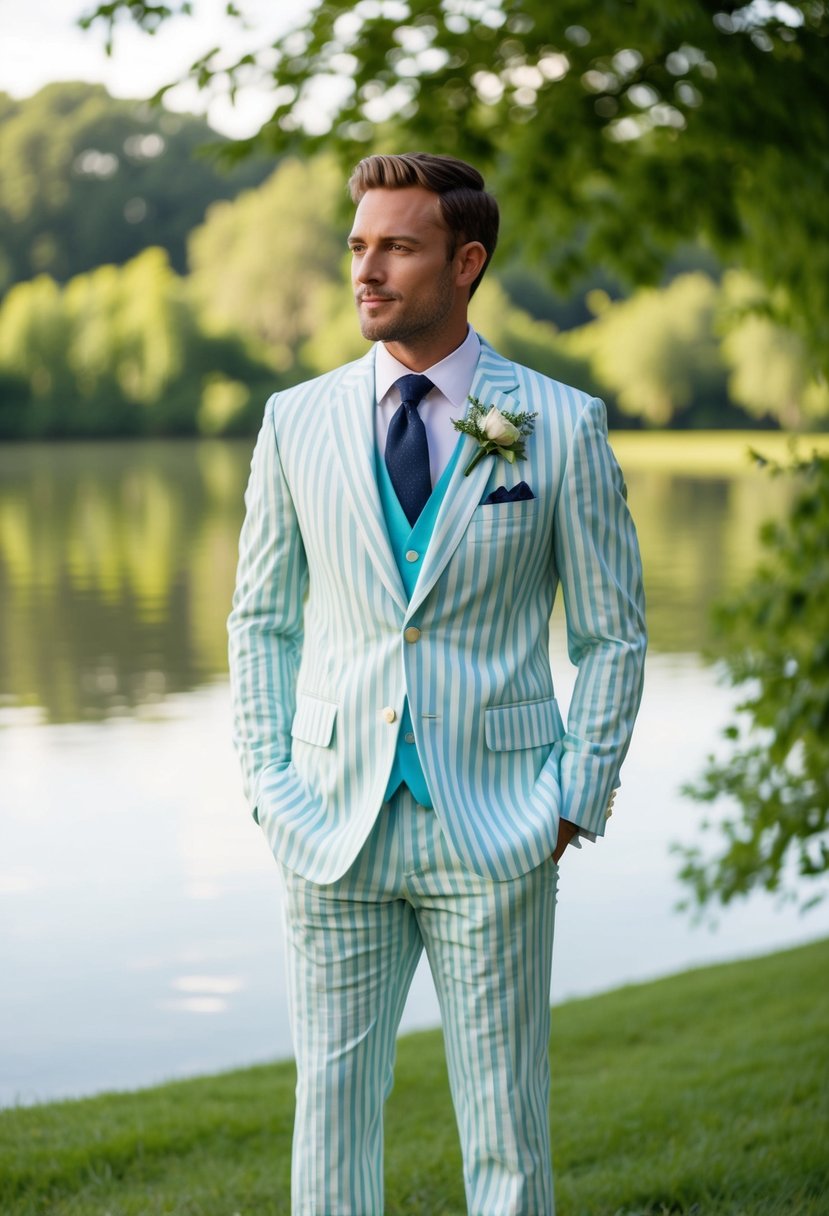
(468, 211)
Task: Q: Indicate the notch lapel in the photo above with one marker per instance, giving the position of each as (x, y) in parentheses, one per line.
(492, 384)
(351, 421)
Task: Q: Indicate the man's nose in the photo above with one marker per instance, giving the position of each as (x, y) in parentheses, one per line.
(370, 268)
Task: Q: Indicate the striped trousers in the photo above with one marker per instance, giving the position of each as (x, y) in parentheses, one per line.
(352, 950)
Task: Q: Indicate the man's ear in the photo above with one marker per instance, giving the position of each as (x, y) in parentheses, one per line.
(470, 259)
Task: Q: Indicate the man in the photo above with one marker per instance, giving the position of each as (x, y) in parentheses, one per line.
(394, 707)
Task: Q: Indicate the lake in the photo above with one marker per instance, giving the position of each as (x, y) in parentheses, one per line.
(140, 909)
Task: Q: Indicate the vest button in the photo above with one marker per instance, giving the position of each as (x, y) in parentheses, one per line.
(412, 634)
(389, 715)
(409, 736)
(412, 555)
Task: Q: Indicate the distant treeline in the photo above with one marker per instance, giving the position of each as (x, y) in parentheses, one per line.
(214, 295)
(87, 179)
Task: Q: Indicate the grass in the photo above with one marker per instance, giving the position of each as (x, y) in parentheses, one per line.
(708, 453)
(706, 1093)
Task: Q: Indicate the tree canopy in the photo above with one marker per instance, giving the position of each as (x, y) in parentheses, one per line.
(86, 178)
(259, 262)
(138, 349)
(121, 351)
(612, 132)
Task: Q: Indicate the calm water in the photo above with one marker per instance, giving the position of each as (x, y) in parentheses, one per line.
(139, 907)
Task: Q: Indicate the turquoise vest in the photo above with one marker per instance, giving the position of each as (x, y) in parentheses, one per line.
(408, 546)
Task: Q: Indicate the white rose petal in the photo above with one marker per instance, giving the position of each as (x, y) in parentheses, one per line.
(498, 428)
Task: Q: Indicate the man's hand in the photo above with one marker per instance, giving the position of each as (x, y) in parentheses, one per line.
(566, 832)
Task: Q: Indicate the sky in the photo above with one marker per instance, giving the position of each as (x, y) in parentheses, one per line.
(41, 43)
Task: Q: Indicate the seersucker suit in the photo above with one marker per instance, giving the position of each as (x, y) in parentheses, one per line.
(329, 647)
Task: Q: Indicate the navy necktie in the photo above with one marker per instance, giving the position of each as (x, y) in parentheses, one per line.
(407, 448)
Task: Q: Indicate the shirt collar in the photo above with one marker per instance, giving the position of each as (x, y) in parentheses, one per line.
(452, 376)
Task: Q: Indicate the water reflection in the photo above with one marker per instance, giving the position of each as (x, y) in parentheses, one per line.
(699, 537)
(117, 565)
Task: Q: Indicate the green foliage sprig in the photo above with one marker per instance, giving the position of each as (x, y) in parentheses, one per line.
(505, 438)
(776, 635)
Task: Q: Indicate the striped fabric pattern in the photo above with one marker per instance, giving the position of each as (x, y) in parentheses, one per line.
(321, 664)
(314, 720)
(352, 950)
(511, 727)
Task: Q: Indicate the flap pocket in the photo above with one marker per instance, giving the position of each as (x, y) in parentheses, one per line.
(509, 728)
(314, 720)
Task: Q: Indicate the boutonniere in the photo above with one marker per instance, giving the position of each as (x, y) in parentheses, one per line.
(499, 432)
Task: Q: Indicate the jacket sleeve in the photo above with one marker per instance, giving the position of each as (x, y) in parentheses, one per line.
(597, 555)
(266, 623)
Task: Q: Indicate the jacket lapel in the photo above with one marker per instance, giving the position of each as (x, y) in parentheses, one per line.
(351, 420)
(493, 383)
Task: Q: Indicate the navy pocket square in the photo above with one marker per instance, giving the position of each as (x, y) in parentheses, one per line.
(519, 493)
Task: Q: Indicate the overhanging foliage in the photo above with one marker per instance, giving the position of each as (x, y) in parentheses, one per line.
(777, 772)
(613, 131)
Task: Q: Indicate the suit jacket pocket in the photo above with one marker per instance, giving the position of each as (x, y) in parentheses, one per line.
(314, 720)
(497, 521)
(529, 724)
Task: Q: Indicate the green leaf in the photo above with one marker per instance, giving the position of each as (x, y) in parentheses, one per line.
(774, 633)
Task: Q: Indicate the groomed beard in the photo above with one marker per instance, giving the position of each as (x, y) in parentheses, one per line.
(418, 320)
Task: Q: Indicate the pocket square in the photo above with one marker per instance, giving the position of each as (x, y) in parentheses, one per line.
(519, 493)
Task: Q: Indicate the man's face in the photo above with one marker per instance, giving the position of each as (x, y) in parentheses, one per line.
(402, 276)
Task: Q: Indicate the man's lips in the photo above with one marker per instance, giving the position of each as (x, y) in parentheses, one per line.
(371, 300)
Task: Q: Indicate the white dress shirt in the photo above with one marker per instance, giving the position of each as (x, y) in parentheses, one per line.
(452, 378)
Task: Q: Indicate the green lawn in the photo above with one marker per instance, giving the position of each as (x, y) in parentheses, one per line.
(708, 453)
(705, 1093)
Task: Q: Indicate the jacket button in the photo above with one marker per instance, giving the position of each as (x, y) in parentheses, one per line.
(411, 634)
(389, 715)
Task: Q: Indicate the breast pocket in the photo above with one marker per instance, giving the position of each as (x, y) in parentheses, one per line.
(501, 521)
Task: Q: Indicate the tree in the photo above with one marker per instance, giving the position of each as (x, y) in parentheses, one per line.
(777, 770)
(120, 351)
(87, 179)
(657, 352)
(259, 261)
(614, 132)
(768, 367)
(35, 338)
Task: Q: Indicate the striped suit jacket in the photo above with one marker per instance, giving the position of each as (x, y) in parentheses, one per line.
(325, 645)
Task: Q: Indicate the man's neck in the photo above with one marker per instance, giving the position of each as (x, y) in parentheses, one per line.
(419, 356)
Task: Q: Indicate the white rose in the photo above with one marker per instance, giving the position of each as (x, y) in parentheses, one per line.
(498, 428)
